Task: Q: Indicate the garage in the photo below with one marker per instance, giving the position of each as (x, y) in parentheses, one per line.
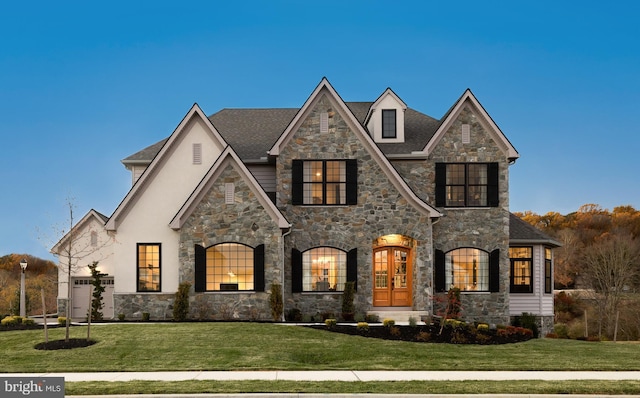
(81, 297)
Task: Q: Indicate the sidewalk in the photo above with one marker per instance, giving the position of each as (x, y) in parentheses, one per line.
(338, 375)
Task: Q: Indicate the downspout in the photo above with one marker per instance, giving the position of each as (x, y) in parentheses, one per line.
(282, 261)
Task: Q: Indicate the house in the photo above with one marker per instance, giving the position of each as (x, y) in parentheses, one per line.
(404, 205)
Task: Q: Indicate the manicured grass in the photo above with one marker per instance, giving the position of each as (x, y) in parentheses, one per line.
(253, 346)
(264, 346)
(591, 387)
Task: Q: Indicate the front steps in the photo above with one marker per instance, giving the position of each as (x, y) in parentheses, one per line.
(399, 314)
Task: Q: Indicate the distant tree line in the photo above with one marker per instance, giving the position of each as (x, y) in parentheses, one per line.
(600, 254)
(40, 274)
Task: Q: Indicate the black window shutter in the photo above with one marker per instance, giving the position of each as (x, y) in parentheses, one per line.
(352, 181)
(439, 273)
(352, 267)
(441, 184)
(494, 271)
(493, 193)
(258, 268)
(200, 269)
(296, 271)
(296, 182)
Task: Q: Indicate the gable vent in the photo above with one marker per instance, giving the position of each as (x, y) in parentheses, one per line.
(466, 134)
(229, 193)
(324, 122)
(197, 153)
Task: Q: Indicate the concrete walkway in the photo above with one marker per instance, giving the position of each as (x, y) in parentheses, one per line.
(337, 375)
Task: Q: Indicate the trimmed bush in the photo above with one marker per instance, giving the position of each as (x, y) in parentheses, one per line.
(330, 322)
(363, 326)
(62, 320)
(9, 321)
(275, 302)
(388, 322)
(181, 302)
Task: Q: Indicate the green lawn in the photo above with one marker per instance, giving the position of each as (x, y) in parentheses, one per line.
(254, 346)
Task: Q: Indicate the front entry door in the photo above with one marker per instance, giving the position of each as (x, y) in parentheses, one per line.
(392, 277)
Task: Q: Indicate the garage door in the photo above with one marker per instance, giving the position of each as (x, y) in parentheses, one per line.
(81, 302)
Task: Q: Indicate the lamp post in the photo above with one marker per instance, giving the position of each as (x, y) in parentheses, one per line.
(23, 311)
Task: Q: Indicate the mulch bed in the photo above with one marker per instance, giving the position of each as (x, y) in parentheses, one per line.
(432, 333)
(64, 345)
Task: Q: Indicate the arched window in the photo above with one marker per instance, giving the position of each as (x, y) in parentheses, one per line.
(467, 269)
(324, 269)
(229, 267)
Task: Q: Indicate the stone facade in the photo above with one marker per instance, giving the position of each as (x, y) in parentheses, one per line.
(381, 210)
(384, 208)
(482, 228)
(245, 221)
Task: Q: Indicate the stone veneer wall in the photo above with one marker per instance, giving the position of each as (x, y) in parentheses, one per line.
(482, 228)
(244, 221)
(158, 305)
(380, 210)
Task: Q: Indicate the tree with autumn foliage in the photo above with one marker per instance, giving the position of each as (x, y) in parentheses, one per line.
(40, 274)
(601, 253)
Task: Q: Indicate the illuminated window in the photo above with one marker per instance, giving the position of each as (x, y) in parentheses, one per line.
(148, 267)
(467, 269)
(324, 269)
(521, 269)
(229, 266)
(324, 182)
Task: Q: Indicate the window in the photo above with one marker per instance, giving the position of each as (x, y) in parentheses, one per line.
(388, 123)
(324, 182)
(323, 269)
(149, 267)
(94, 238)
(466, 184)
(467, 269)
(229, 267)
(521, 269)
(548, 274)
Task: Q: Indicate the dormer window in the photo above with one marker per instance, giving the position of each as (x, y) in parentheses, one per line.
(385, 119)
(389, 123)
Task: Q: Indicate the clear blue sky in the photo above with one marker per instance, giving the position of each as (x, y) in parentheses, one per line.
(85, 84)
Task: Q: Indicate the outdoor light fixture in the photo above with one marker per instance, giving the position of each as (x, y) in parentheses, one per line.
(23, 311)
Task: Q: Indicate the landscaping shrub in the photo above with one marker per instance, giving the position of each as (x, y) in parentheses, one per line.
(363, 326)
(62, 320)
(372, 318)
(528, 321)
(9, 321)
(330, 323)
(181, 302)
(293, 315)
(275, 302)
(413, 322)
(388, 322)
(28, 322)
(121, 317)
(561, 330)
(146, 316)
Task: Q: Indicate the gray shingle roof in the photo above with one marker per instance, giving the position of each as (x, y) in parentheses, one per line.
(252, 132)
(521, 231)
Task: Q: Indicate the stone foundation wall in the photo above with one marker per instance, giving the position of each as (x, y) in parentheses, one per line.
(158, 305)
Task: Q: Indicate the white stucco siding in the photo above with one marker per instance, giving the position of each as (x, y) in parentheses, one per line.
(538, 302)
(84, 251)
(375, 123)
(147, 221)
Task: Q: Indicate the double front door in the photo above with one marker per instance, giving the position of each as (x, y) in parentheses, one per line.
(392, 277)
